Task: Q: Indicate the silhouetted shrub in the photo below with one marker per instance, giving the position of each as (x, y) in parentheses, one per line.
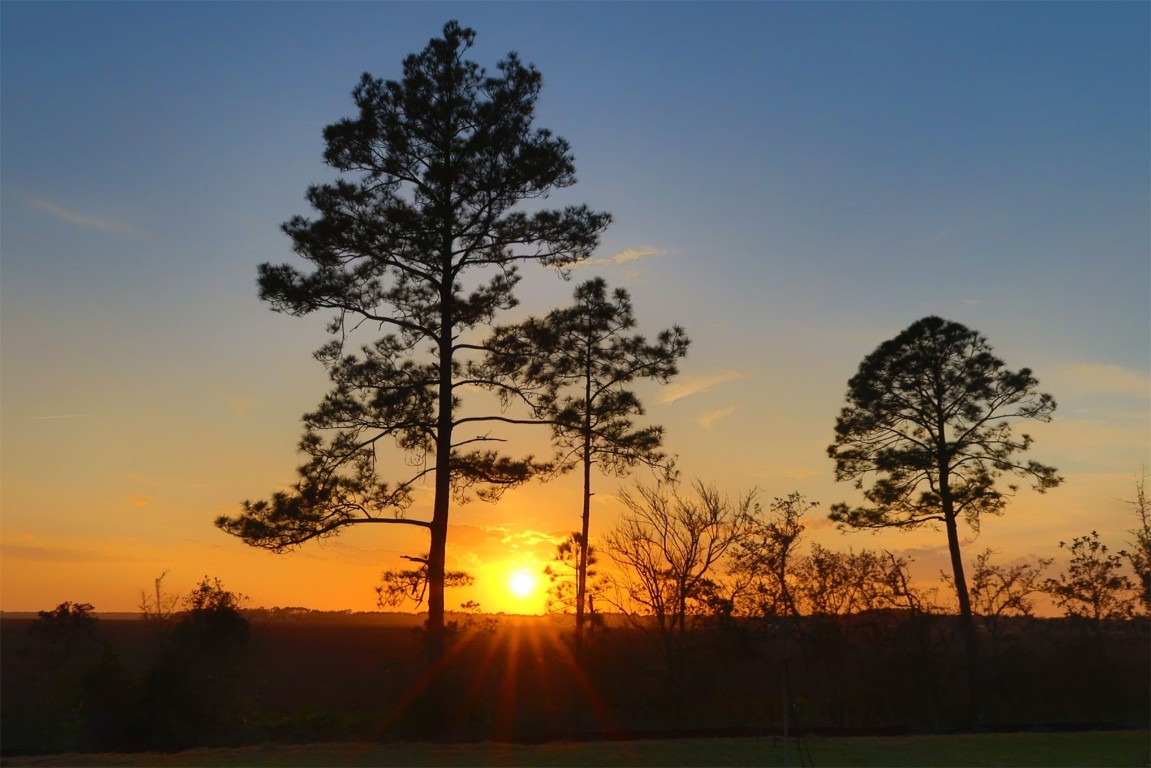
(77, 693)
(196, 692)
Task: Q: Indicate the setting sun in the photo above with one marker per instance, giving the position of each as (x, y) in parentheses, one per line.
(522, 583)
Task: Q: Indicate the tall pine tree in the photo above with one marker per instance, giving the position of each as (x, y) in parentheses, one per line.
(576, 367)
(419, 238)
(929, 423)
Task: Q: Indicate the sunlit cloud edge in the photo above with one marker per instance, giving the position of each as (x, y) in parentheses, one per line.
(623, 257)
(708, 419)
(696, 385)
(82, 220)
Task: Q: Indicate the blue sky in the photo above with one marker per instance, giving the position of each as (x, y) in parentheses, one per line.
(803, 181)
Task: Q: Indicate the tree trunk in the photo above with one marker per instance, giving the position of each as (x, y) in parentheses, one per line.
(966, 618)
(585, 524)
(581, 575)
(436, 567)
(430, 704)
(437, 556)
(974, 713)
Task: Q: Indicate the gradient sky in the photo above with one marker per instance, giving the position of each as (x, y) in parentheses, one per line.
(792, 182)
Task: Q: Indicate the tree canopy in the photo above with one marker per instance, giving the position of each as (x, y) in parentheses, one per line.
(929, 419)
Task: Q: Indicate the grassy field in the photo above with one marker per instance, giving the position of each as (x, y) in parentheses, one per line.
(1100, 748)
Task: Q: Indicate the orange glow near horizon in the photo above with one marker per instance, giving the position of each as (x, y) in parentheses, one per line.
(508, 586)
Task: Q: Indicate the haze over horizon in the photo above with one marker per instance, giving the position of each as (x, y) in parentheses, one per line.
(792, 183)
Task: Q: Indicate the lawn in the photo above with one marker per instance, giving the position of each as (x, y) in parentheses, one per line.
(1096, 748)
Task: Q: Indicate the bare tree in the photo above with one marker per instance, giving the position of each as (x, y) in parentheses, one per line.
(764, 557)
(829, 583)
(669, 546)
(1140, 553)
(1003, 590)
(159, 606)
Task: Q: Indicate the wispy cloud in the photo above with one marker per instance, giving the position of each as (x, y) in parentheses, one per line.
(477, 545)
(239, 404)
(789, 472)
(60, 416)
(1105, 379)
(711, 417)
(78, 219)
(504, 535)
(529, 538)
(695, 385)
(153, 481)
(60, 554)
(623, 257)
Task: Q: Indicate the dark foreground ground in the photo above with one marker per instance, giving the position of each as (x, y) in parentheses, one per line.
(1114, 749)
(316, 679)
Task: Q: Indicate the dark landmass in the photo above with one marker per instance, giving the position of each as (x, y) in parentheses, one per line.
(302, 676)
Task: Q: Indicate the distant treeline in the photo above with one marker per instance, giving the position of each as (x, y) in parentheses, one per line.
(211, 677)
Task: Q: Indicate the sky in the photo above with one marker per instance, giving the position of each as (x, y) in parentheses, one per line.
(794, 183)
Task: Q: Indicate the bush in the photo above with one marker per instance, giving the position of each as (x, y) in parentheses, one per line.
(196, 693)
